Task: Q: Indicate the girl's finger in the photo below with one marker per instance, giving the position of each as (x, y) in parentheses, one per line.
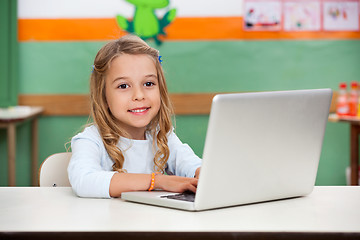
(192, 188)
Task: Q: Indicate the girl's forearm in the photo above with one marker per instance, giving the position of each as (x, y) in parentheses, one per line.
(126, 182)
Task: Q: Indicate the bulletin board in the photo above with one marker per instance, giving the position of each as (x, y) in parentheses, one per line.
(301, 19)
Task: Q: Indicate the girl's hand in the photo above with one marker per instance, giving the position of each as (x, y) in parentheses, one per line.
(197, 172)
(175, 183)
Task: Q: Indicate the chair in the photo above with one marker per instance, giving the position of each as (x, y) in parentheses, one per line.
(53, 171)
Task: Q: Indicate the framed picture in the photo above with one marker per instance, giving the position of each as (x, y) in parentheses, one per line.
(302, 15)
(341, 15)
(262, 15)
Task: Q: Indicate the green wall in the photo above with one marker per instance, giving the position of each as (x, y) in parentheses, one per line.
(203, 66)
(8, 53)
(52, 67)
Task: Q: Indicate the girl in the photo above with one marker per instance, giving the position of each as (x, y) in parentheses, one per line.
(132, 136)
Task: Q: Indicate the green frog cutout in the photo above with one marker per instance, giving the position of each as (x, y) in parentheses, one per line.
(145, 23)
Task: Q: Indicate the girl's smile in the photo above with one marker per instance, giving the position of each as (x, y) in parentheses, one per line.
(132, 92)
(139, 111)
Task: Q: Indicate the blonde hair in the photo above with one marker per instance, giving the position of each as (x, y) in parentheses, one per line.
(109, 128)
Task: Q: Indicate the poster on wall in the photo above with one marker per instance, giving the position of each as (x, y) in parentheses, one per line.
(262, 15)
(341, 15)
(300, 15)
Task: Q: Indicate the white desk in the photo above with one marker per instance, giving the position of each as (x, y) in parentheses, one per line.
(327, 213)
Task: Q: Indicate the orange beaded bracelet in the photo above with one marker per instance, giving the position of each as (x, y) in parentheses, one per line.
(152, 183)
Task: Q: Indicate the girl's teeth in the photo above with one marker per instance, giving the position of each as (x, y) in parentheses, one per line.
(138, 110)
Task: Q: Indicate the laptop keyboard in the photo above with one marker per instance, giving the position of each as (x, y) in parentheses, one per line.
(186, 196)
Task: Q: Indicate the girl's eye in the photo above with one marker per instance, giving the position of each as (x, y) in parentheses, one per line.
(149, 84)
(123, 86)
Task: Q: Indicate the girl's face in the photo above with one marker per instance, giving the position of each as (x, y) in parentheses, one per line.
(132, 92)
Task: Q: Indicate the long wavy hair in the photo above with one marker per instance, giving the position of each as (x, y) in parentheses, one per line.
(109, 127)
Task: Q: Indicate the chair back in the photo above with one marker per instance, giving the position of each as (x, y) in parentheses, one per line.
(53, 171)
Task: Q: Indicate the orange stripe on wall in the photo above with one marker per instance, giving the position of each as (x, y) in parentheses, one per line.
(206, 28)
(68, 29)
(210, 28)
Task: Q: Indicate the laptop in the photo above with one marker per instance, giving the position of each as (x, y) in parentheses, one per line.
(259, 147)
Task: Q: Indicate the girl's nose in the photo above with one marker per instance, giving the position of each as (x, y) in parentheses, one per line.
(138, 94)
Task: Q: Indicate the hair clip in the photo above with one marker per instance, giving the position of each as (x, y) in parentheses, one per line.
(160, 59)
(92, 68)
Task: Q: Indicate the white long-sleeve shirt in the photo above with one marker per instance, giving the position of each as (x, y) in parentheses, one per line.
(90, 168)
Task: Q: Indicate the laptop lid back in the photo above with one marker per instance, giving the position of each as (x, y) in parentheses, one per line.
(262, 146)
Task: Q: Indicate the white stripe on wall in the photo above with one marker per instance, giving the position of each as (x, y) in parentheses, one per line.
(110, 8)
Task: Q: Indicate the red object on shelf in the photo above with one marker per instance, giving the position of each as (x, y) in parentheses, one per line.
(342, 106)
(353, 99)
